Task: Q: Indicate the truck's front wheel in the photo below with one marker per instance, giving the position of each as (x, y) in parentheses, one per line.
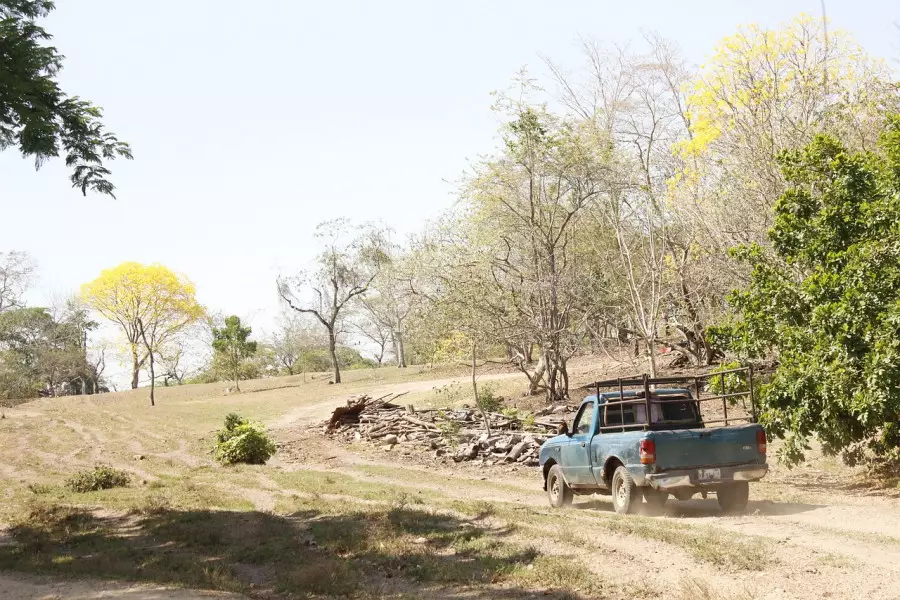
(558, 490)
(625, 495)
(733, 498)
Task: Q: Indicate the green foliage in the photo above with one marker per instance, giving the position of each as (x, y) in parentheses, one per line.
(318, 359)
(38, 350)
(487, 400)
(35, 115)
(826, 301)
(101, 477)
(525, 419)
(232, 346)
(733, 382)
(243, 441)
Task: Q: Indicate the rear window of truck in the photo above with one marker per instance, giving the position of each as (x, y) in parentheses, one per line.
(669, 411)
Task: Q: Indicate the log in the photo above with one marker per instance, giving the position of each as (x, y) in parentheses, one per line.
(419, 422)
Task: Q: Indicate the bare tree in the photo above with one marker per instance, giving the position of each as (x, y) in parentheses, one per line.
(291, 340)
(16, 272)
(375, 332)
(345, 270)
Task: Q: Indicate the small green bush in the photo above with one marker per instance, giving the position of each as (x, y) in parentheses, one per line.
(101, 477)
(243, 441)
(488, 401)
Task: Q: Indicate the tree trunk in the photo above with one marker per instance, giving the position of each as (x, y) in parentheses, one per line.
(135, 368)
(400, 350)
(150, 356)
(332, 349)
(487, 421)
(152, 381)
(651, 356)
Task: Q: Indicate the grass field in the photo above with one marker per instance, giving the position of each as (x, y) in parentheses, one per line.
(335, 521)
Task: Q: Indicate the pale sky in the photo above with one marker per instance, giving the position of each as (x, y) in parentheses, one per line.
(251, 122)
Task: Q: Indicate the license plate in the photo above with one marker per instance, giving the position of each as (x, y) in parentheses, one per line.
(708, 474)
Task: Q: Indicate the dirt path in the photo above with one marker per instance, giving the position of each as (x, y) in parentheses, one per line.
(20, 587)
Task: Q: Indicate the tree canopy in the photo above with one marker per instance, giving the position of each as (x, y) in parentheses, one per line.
(826, 300)
(36, 116)
(149, 303)
(232, 346)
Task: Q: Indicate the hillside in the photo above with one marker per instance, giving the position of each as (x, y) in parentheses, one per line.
(329, 520)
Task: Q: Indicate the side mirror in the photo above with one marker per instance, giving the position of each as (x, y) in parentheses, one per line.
(564, 429)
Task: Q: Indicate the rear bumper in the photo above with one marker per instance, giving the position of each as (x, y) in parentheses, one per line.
(683, 478)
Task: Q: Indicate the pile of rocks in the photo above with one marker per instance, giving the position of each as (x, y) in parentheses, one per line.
(448, 434)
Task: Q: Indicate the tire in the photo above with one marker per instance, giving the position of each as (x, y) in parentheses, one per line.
(733, 498)
(656, 500)
(625, 495)
(558, 491)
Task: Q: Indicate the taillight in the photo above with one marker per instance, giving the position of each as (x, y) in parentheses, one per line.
(761, 441)
(648, 452)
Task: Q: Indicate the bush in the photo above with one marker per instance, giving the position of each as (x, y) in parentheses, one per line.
(243, 441)
(101, 477)
(488, 401)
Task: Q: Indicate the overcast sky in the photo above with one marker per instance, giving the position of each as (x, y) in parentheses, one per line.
(253, 121)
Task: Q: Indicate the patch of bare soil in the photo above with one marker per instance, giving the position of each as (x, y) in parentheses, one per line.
(20, 587)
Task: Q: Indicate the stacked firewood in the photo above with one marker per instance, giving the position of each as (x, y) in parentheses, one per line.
(448, 434)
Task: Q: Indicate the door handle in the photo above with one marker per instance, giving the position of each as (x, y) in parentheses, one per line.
(582, 444)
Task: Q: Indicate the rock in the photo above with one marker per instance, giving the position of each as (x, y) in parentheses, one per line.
(420, 540)
(390, 439)
(138, 457)
(466, 452)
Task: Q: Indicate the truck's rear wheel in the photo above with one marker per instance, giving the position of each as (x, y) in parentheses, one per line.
(625, 495)
(558, 490)
(733, 498)
(655, 499)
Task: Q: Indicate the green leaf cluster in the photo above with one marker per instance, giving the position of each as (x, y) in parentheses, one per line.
(243, 441)
(825, 300)
(101, 477)
(36, 115)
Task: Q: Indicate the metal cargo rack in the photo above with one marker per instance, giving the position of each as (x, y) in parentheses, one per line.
(647, 385)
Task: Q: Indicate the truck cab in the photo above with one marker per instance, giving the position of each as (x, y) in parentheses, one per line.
(649, 444)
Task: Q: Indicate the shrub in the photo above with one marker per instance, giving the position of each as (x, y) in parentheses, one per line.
(101, 477)
(243, 441)
(487, 400)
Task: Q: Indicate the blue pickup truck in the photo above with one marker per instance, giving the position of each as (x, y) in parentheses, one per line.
(613, 447)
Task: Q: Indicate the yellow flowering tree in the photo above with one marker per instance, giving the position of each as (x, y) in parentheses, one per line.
(764, 91)
(149, 303)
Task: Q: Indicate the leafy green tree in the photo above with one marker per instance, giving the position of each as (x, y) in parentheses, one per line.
(36, 115)
(39, 352)
(232, 346)
(826, 302)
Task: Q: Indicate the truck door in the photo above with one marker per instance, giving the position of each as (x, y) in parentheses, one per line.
(576, 459)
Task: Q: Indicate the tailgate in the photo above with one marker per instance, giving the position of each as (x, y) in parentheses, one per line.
(720, 446)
